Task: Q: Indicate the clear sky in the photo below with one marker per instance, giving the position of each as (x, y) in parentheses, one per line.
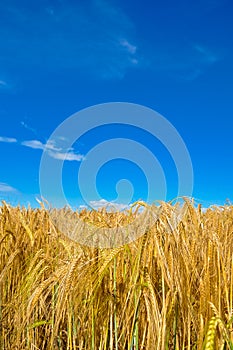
(59, 57)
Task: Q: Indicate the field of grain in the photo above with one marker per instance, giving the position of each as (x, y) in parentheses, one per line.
(172, 288)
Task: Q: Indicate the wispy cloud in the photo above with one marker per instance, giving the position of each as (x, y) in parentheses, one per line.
(206, 54)
(7, 139)
(187, 62)
(71, 156)
(34, 144)
(5, 188)
(74, 35)
(50, 145)
(3, 83)
(128, 46)
(28, 127)
(54, 151)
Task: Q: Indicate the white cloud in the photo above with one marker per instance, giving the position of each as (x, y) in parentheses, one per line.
(62, 138)
(34, 144)
(5, 188)
(134, 61)
(54, 151)
(71, 156)
(103, 203)
(129, 47)
(207, 55)
(28, 127)
(185, 62)
(50, 145)
(3, 83)
(81, 207)
(7, 139)
(75, 35)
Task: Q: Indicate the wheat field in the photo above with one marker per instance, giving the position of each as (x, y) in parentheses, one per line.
(172, 288)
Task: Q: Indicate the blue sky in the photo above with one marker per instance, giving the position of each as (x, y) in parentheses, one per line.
(59, 57)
